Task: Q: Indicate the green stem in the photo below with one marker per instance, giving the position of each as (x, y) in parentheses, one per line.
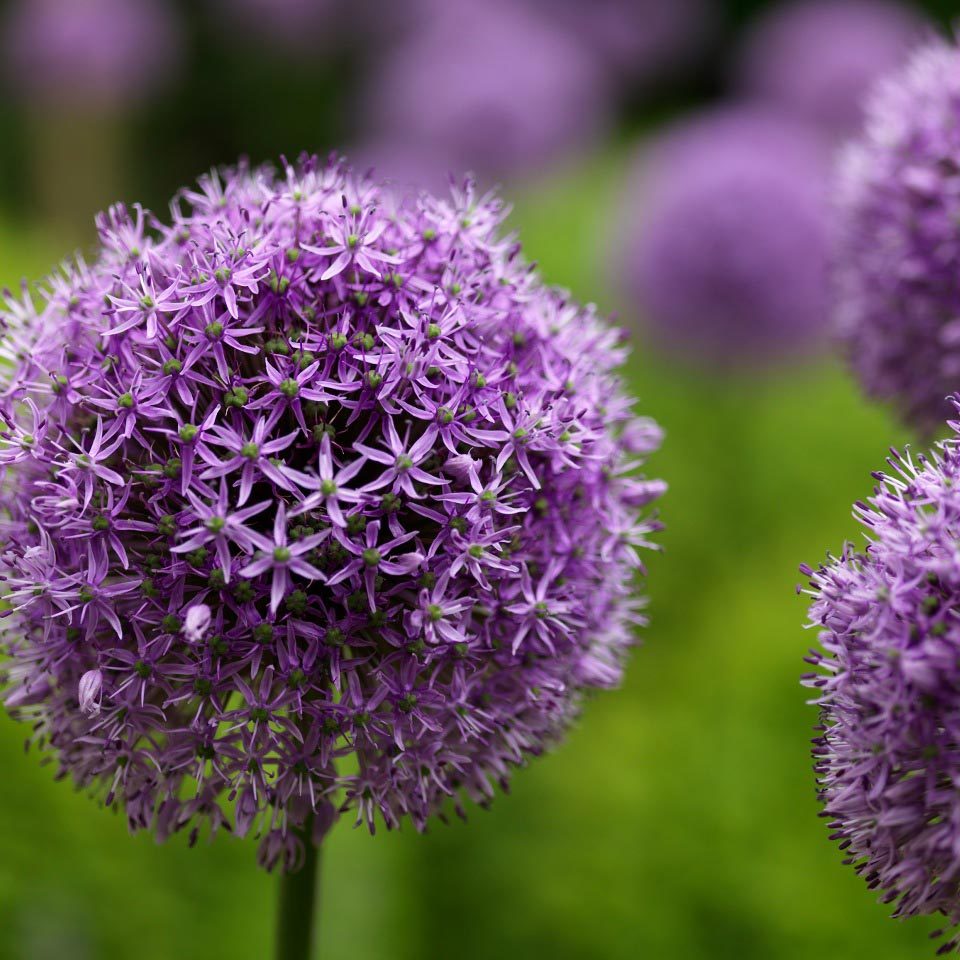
(296, 916)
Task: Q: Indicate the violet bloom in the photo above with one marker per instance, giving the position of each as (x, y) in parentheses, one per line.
(490, 87)
(638, 41)
(89, 52)
(408, 539)
(897, 253)
(888, 687)
(291, 26)
(724, 246)
(817, 59)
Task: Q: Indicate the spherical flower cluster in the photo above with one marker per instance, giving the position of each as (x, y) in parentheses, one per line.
(505, 96)
(639, 41)
(89, 52)
(293, 26)
(819, 58)
(725, 241)
(898, 248)
(314, 500)
(888, 753)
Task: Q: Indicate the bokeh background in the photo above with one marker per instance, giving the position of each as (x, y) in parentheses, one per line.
(679, 821)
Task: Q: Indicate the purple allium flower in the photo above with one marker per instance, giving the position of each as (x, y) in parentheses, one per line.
(724, 247)
(897, 251)
(313, 500)
(888, 754)
(819, 58)
(637, 40)
(490, 87)
(101, 52)
(299, 26)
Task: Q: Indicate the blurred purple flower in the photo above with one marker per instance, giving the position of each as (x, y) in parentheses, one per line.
(887, 756)
(819, 58)
(638, 41)
(897, 251)
(724, 249)
(490, 87)
(79, 53)
(438, 554)
(298, 26)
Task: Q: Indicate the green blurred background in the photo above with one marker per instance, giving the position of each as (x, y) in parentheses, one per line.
(679, 820)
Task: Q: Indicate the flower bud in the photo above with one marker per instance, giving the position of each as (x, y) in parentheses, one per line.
(196, 622)
(89, 692)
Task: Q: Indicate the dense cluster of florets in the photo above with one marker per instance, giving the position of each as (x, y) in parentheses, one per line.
(89, 54)
(888, 752)
(637, 41)
(725, 244)
(313, 500)
(898, 249)
(818, 59)
(518, 93)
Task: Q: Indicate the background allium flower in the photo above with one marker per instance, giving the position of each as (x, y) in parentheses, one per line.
(299, 26)
(637, 40)
(500, 91)
(898, 249)
(819, 58)
(108, 52)
(724, 246)
(888, 758)
(312, 500)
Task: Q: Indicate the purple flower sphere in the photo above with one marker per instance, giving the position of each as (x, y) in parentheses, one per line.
(297, 26)
(724, 247)
(888, 754)
(312, 501)
(897, 250)
(502, 92)
(89, 52)
(819, 58)
(637, 40)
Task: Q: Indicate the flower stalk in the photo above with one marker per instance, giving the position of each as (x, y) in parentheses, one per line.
(297, 905)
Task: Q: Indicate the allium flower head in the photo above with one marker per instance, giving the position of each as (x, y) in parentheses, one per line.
(312, 500)
(725, 240)
(898, 248)
(501, 91)
(888, 687)
(819, 58)
(637, 40)
(297, 26)
(101, 52)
